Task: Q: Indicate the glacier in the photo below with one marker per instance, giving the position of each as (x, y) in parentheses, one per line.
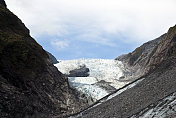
(104, 76)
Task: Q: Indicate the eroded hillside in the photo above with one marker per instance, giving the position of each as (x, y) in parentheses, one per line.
(30, 85)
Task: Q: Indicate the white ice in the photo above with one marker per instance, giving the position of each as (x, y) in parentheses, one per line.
(100, 69)
(83, 80)
(84, 84)
(103, 69)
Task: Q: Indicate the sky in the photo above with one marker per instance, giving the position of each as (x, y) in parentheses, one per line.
(72, 29)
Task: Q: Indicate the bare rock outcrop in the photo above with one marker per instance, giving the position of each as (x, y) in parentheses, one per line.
(82, 71)
(30, 85)
(2, 2)
(146, 57)
(52, 58)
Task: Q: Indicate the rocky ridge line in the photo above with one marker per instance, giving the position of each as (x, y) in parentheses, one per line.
(30, 85)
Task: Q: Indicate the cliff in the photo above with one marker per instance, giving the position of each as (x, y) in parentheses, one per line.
(52, 58)
(30, 86)
(147, 57)
(2, 2)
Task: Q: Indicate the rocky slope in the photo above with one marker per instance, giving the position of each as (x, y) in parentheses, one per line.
(136, 61)
(148, 56)
(165, 108)
(2, 2)
(52, 58)
(30, 86)
(158, 61)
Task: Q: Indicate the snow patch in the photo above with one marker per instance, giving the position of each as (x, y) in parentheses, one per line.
(164, 108)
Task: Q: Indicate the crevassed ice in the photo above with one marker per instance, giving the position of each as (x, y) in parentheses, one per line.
(83, 80)
(103, 69)
(85, 85)
(100, 69)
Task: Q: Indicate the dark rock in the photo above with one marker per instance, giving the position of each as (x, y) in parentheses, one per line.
(165, 108)
(81, 72)
(30, 86)
(52, 58)
(106, 86)
(164, 50)
(2, 2)
(146, 57)
(138, 60)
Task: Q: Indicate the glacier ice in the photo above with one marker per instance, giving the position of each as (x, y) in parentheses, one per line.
(106, 70)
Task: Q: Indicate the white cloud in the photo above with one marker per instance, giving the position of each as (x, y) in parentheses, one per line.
(60, 44)
(141, 20)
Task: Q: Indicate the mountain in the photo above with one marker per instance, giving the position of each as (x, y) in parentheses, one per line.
(52, 58)
(138, 60)
(148, 56)
(151, 95)
(30, 85)
(2, 2)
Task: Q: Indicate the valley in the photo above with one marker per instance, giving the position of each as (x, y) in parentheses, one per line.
(103, 77)
(34, 84)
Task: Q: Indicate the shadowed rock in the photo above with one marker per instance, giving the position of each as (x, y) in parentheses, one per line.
(30, 85)
(81, 72)
(2, 2)
(52, 58)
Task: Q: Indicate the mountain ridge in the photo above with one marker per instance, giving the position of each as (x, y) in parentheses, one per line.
(32, 87)
(30, 84)
(2, 2)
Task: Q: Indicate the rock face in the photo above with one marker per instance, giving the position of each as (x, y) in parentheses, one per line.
(30, 86)
(81, 72)
(164, 50)
(2, 2)
(146, 57)
(160, 109)
(153, 92)
(137, 62)
(52, 58)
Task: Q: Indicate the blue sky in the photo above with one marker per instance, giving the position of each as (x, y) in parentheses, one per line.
(72, 29)
(85, 49)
